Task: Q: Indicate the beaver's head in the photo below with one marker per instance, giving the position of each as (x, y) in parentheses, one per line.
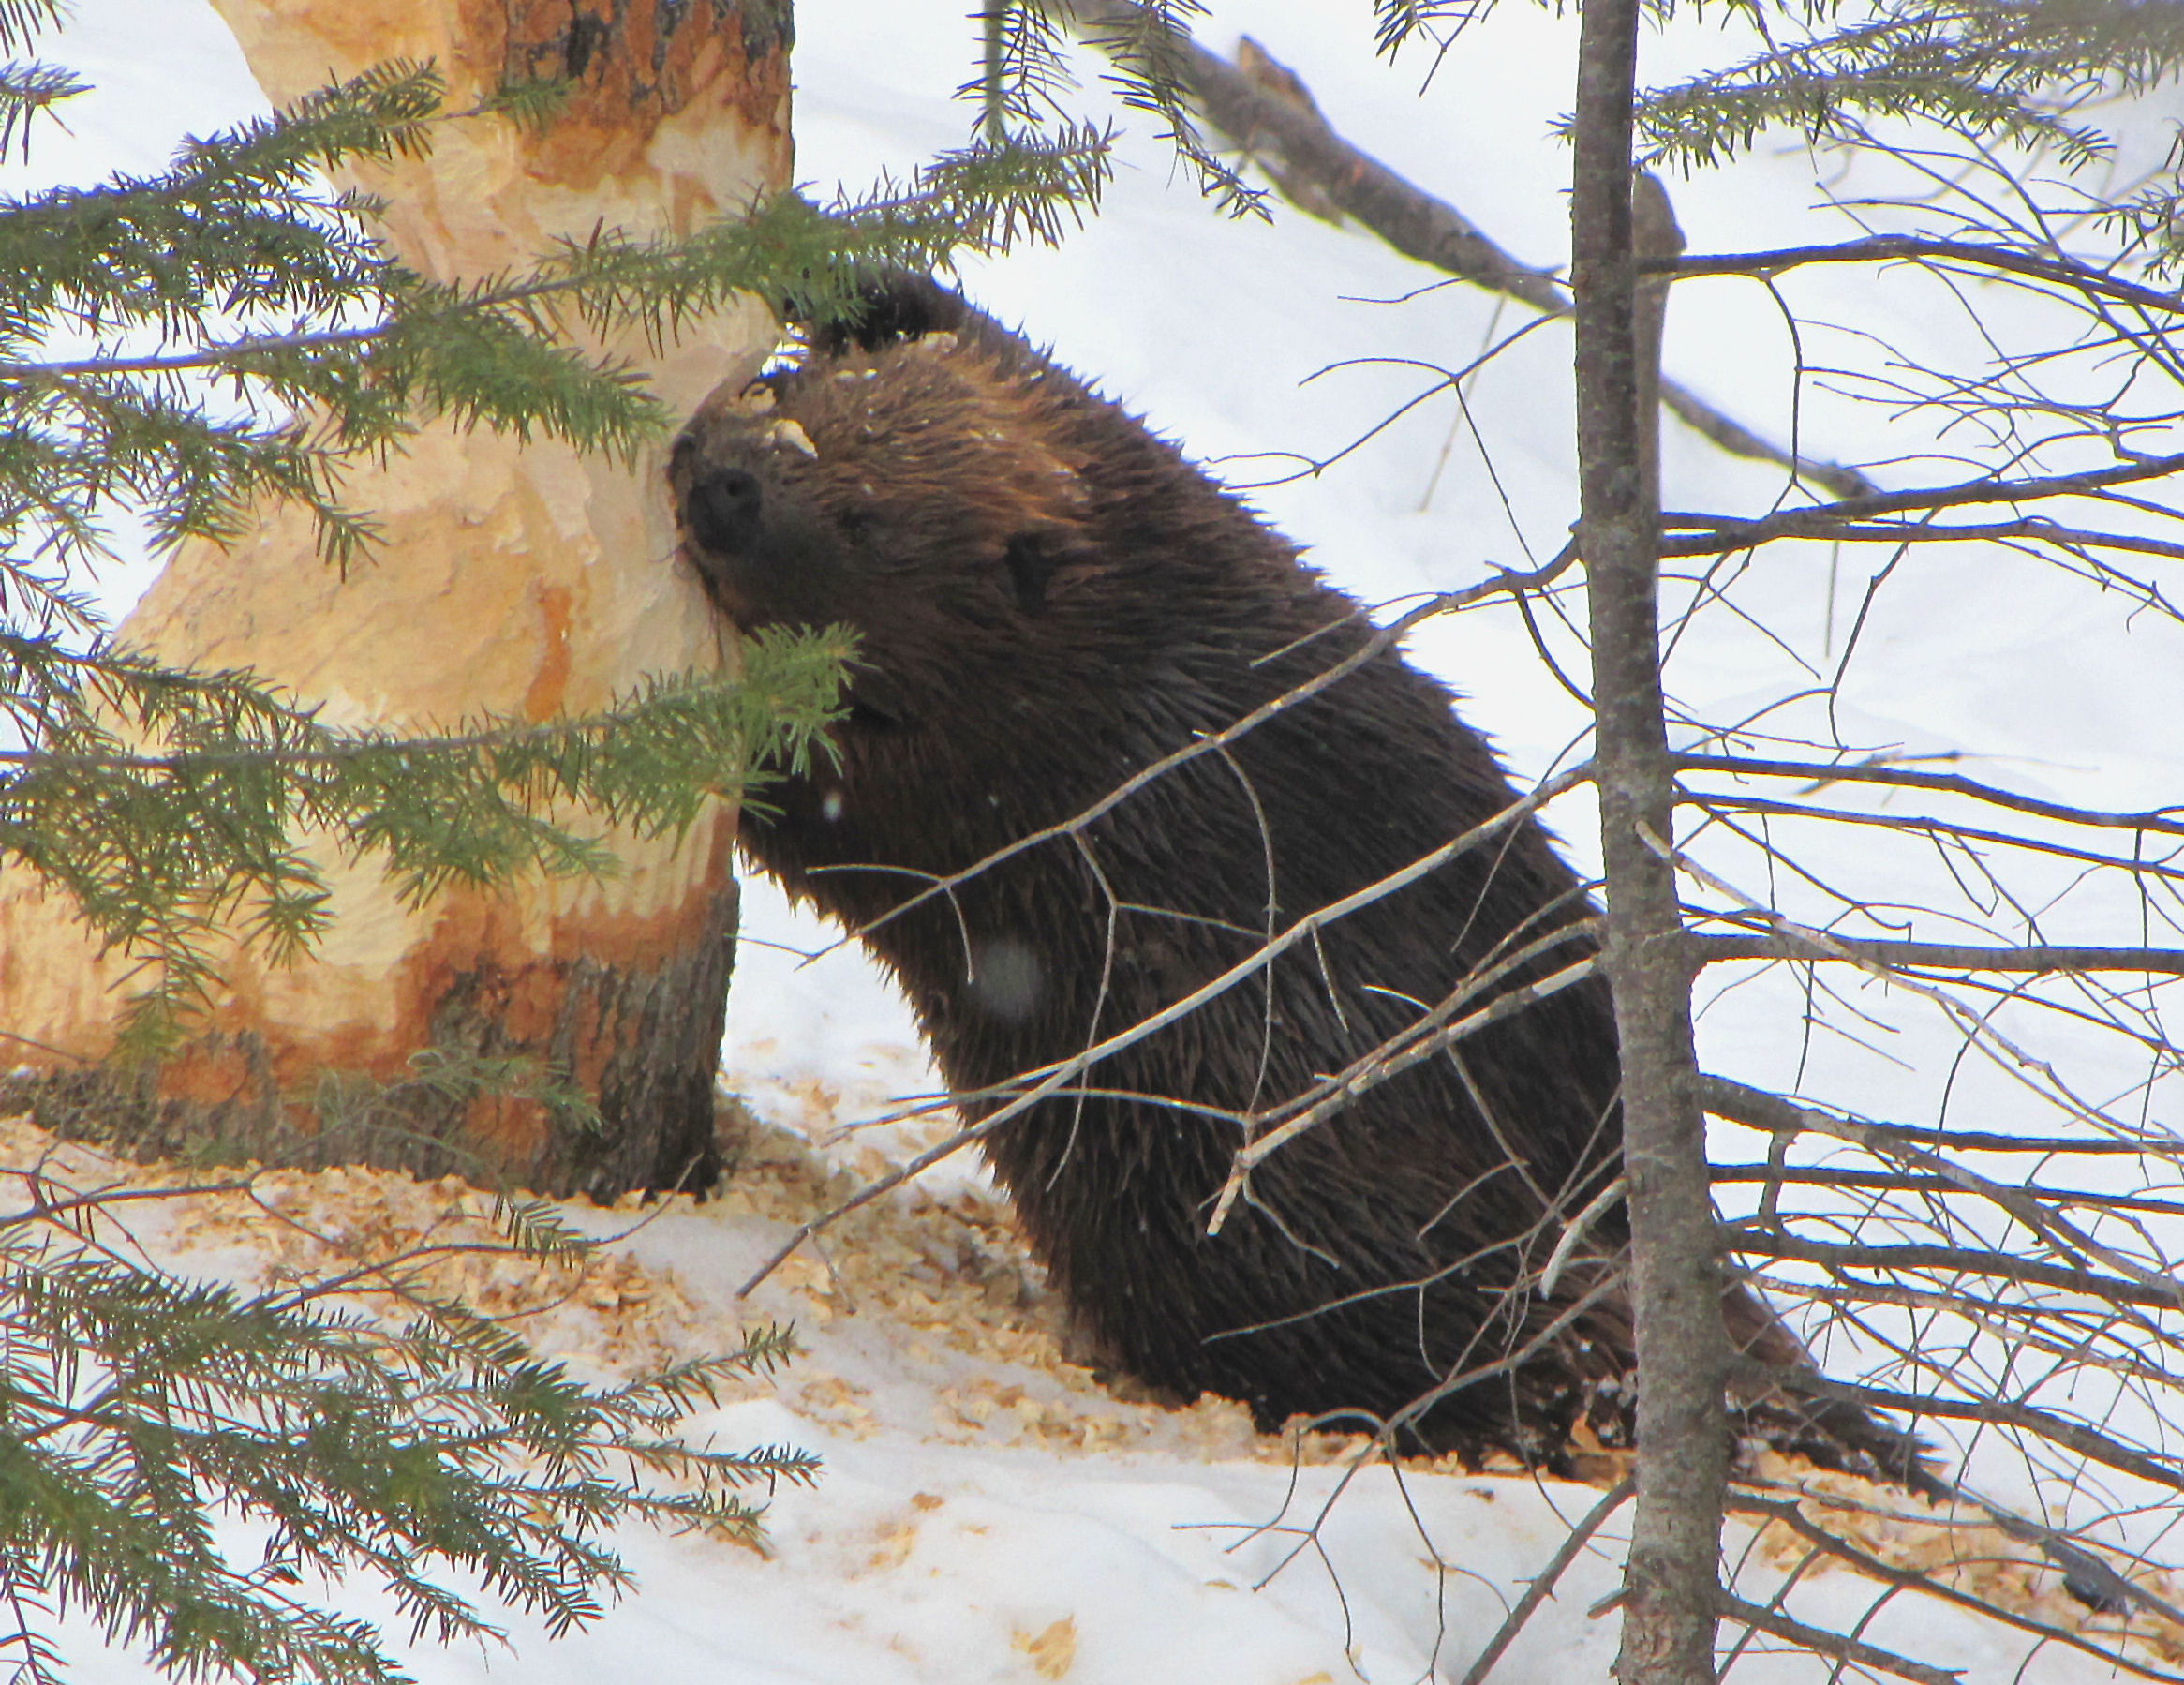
(841, 489)
(998, 536)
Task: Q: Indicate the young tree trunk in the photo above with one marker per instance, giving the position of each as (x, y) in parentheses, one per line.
(1671, 1582)
(522, 581)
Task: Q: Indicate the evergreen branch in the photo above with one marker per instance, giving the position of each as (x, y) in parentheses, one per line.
(134, 1408)
(1985, 69)
(352, 1104)
(373, 349)
(1395, 22)
(535, 1229)
(1023, 75)
(239, 223)
(162, 849)
(22, 22)
(2151, 220)
(1149, 44)
(1023, 189)
(529, 105)
(978, 198)
(28, 92)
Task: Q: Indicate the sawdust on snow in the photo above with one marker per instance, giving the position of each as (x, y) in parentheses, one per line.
(945, 1272)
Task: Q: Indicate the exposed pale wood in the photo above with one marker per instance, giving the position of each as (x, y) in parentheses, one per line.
(523, 582)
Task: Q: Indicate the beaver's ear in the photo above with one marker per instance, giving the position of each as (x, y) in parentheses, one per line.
(887, 307)
(1035, 556)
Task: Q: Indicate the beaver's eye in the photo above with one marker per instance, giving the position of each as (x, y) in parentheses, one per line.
(724, 510)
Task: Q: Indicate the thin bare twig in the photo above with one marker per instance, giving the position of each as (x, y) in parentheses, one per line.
(1791, 1516)
(2162, 821)
(1049, 1079)
(1943, 956)
(1763, 1111)
(1822, 1641)
(1265, 111)
(1543, 1583)
(1899, 1260)
(1505, 582)
(1888, 248)
(2074, 1435)
(1822, 520)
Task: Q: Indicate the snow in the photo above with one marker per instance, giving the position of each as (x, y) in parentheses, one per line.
(967, 1524)
(985, 1510)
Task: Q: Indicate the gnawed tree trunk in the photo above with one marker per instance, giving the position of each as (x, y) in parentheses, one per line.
(521, 581)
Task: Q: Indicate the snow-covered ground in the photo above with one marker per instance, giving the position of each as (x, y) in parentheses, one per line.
(986, 1512)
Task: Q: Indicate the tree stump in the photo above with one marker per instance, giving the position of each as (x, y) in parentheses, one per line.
(524, 582)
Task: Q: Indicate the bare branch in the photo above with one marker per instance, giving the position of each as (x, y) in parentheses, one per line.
(1822, 1641)
(1905, 823)
(1888, 248)
(1789, 1515)
(1051, 1079)
(1944, 956)
(2160, 821)
(1266, 111)
(1969, 1260)
(1544, 1582)
(1978, 1027)
(1822, 520)
(2074, 1436)
(1380, 1065)
(1503, 583)
(1910, 1182)
(1762, 1110)
(1725, 540)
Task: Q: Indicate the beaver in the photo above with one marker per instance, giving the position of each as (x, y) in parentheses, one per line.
(1048, 599)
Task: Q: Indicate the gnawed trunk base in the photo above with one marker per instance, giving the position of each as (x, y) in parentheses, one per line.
(646, 1042)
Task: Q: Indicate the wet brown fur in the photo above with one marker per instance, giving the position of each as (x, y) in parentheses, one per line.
(1048, 599)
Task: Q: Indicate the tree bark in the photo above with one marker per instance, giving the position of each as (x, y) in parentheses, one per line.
(523, 581)
(1671, 1579)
